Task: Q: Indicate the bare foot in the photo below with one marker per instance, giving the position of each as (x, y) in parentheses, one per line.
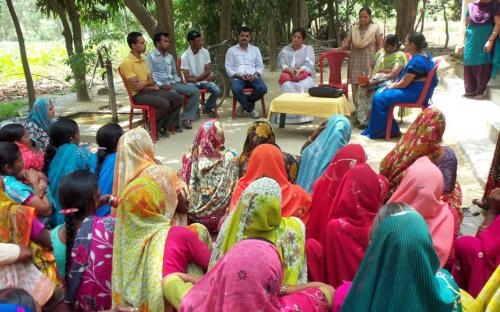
(479, 97)
(471, 94)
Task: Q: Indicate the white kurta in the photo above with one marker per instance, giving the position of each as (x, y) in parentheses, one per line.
(301, 59)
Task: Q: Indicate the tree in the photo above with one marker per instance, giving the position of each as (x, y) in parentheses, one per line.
(68, 13)
(161, 19)
(299, 13)
(24, 57)
(406, 16)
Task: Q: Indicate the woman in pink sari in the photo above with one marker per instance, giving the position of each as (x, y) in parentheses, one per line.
(476, 258)
(326, 187)
(337, 257)
(422, 188)
(248, 278)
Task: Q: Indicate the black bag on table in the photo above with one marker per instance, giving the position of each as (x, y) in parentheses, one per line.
(325, 91)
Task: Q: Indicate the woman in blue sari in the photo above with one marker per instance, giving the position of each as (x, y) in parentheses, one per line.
(317, 155)
(103, 163)
(38, 122)
(406, 90)
(62, 157)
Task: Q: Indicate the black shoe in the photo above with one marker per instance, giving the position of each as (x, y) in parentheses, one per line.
(187, 124)
(178, 129)
(211, 113)
(163, 134)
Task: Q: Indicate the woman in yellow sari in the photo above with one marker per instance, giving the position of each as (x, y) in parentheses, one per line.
(146, 245)
(18, 225)
(135, 157)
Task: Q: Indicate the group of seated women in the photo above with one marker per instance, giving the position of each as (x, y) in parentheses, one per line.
(263, 230)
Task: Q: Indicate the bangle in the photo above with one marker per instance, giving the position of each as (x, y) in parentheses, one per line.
(283, 290)
(495, 33)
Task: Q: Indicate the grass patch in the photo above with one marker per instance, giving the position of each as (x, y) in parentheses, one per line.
(11, 109)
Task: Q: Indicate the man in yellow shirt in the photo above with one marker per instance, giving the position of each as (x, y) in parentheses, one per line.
(145, 91)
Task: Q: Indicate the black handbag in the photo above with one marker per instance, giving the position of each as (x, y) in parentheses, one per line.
(325, 91)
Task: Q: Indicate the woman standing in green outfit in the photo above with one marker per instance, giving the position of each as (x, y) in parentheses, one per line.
(480, 62)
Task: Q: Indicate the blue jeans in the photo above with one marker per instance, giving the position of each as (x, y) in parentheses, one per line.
(193, 94)
(248, 102)
(214, 94)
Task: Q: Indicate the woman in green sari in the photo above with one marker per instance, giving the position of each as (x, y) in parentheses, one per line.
(386, 65)
(258, 215)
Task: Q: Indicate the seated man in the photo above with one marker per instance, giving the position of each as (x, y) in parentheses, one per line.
(144, 90)
(163, 66)
(196, 67)
(244, 66)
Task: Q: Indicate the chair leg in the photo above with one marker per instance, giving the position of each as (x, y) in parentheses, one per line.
(263, 102)
(202, 103)
(144, 118)
(131, 116)
(388, 128)
(152, 124)
(234, 108)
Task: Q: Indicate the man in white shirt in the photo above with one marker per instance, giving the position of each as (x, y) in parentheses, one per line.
(196, 67)
(245, 67)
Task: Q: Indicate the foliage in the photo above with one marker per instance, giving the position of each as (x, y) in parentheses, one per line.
(12, 108)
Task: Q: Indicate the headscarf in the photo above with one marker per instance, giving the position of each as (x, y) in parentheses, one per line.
(423, 138)
(317, 156)
(15, 228)
(39, 114)
(267, 161)
(385, 60)
(141, 230)
(68, 159)
(242, 281)
(360, 196)
(206, 151)
(398, 271)
(261, 132)
(421, 188)
(211, 174)
(326, 187)
(135, 152)
(258, 214)
(481, 13)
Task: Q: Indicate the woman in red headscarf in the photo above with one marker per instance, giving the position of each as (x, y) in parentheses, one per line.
(267, 161)
(336, 258)
(327, 186)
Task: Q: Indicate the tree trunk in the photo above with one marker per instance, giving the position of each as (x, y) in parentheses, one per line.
(299, 13)
(424, 4)
(406, 16)
(338, 29)
(24, 58)
(225, 27)
(141, 13)
(332, 25)
(68, 36)
(82, 92)
(445, 16)
(271, 43)
(165, 22)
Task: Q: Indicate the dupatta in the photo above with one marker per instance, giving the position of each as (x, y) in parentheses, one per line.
(258, 214)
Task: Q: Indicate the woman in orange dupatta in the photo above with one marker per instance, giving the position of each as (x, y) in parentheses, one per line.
(267, 161)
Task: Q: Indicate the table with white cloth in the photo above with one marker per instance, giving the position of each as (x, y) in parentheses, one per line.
(304, 104)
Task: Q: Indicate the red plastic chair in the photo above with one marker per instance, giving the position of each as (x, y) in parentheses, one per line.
(148, 112)
(203, 92)
(249, 91)
(418, 104)
(335, 59)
